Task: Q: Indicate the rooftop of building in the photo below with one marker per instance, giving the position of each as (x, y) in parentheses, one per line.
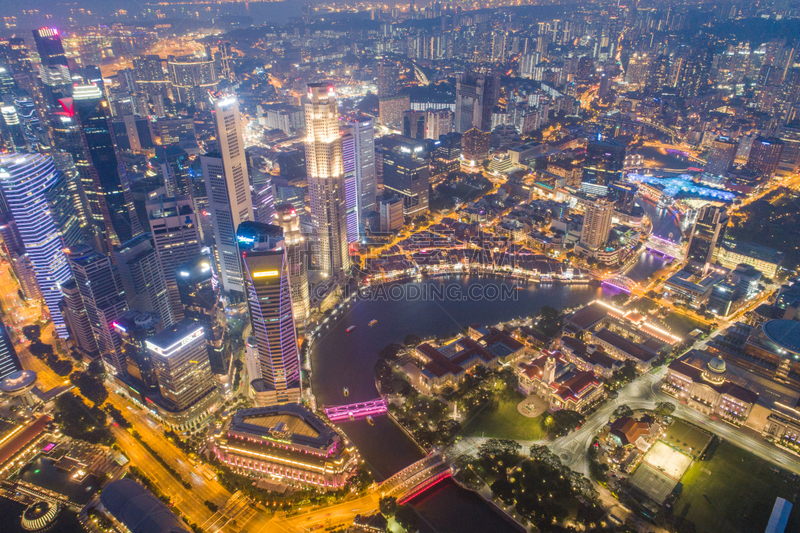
(176, 334)
(755, 251)
(291, 423)
(628, 429)
(137, 508)
(589, 316)
(624, 345)
(784, 333)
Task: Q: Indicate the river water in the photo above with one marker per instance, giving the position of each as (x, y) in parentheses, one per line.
(340, 359)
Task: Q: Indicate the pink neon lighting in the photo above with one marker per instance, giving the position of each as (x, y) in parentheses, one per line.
(427, 485)
(356, 410)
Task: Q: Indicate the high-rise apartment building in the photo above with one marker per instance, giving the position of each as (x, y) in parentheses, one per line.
(228, 188)
(475, 144)
(173, 224)
(596, 224)
(270, 305)
(469, 102)
(325, 168)
(24, 182)
(476, 96)
(707, 234)
(144, 282)
(390, 110)
(388, 75)
(297, 254)
(104, 299)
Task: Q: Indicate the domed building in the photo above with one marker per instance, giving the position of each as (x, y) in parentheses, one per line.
(715, 371)
(703, 383)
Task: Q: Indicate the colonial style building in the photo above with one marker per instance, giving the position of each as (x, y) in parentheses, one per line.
(589, 357)
(560, 383)
(707, 389)
(448, 365)
(287, 444)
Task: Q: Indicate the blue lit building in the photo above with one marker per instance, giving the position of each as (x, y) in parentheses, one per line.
(25, 180)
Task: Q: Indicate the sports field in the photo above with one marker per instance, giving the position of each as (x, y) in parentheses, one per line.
(666, 460)
(686, 438)
(734, 492)
(653, 483)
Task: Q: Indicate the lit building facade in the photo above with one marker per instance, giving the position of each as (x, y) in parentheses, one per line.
(325, 168)
(272, 318)
(180, 362)
(228, 188)
(286, 443)
(173, 224)
(104, 299)
(24, 180)
(296, 253)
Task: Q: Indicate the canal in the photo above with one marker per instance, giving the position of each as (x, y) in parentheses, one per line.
(340, 359)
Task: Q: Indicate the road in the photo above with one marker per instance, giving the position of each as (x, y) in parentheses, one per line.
(645, 392)
(327, 518)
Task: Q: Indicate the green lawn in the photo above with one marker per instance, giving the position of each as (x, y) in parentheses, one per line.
(686, 438)
(734, 492)
(501, 420)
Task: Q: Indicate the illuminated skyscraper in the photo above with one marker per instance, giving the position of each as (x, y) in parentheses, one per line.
(144, 282)
(597, 223)
(296, 252)
(707, 235)
(105, 180)
(104, 299)
(228, 188)
(270, 304)
(25, 180)
(179, 358)
(173, 224)
(199, 292)
(361, 132)
(325, 169)
(53, 71)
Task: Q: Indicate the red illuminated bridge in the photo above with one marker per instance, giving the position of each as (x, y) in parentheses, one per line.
(356, 411)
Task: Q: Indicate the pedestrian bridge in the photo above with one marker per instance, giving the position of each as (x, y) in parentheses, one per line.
(416, 478)
(621, 282)
(356, 411)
